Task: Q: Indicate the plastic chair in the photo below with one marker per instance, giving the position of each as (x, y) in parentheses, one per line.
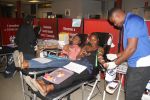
(103, 40)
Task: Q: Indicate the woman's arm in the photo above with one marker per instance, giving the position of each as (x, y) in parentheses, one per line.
(100, 55)
(100, 51)
(83, 52)
(65, 49)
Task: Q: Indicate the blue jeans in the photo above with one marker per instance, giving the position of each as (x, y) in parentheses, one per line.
(28, 56)
(55, 63)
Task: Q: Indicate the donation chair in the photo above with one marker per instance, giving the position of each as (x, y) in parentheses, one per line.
(103, 40)
(34, 73)
(58, 95)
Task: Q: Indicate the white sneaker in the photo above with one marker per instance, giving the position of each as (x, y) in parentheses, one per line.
(38, 86)
(112, 87)
(20, 59)
(16, 58)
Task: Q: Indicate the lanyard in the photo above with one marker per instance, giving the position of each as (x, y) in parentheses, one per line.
(96, 65)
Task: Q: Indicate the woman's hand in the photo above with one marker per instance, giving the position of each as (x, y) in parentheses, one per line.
(83, 53)
(66, 48)
(101, 59)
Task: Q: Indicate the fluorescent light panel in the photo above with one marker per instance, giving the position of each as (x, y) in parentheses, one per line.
(34, 1)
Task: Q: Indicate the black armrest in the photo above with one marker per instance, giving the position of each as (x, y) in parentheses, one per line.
(36, 71)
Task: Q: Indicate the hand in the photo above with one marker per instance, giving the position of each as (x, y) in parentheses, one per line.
(101, 59)
(66, 48)
(120, 54)
(84, 53)
(110, 65)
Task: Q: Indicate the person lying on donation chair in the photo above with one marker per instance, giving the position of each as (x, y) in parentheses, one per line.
(71, 51)
(87, 58)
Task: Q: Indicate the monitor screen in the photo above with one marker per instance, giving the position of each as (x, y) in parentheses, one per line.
(76, 22)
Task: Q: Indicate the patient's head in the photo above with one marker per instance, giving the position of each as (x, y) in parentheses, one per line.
(76, 40)
(93, 39)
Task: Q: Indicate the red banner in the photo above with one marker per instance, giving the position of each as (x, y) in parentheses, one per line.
(36, 22)
(9, 28)
(148, 26)
(48, 28)
(65, 25)
(93, 25)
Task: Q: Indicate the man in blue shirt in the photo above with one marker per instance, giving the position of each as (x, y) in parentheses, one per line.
(136, 45)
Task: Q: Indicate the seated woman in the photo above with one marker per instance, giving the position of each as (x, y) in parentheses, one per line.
(87, 58)
(71, 51)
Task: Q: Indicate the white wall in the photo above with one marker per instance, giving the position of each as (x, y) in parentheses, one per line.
(77, 7)
(85, 7)
(91, 7)
(42, 12)
(26, 9)
(136, 5)
(108, 5)
(59, 6)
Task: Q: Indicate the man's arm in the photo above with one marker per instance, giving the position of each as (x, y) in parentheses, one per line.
(119, 54)
(132, 45)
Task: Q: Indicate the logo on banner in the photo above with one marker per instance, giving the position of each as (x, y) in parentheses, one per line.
(69, 29)
(11, 27)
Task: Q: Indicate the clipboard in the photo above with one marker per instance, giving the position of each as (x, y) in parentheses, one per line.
(58, 75)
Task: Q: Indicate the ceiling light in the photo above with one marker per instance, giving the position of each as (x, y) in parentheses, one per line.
(10, 5)
(34, 1)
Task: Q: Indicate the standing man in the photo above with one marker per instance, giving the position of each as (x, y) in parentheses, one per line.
(136, 45)
(26, 39)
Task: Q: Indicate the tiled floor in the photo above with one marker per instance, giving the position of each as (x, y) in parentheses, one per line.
(10, 89)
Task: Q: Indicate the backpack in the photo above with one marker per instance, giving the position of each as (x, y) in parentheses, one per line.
(10, 68)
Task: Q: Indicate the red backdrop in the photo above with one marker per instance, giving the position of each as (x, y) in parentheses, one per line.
(65, 25)
(48, 28)
(93, 25)
(9, 28)
(148, 25)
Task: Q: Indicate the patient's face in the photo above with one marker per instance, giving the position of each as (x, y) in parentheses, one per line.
(93, 40)
(76, 40)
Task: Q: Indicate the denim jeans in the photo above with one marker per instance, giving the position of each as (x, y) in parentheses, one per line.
(28, 56)
(55, 63)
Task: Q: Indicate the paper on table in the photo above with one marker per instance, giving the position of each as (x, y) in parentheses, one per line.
(42, 60)
(75, 67)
